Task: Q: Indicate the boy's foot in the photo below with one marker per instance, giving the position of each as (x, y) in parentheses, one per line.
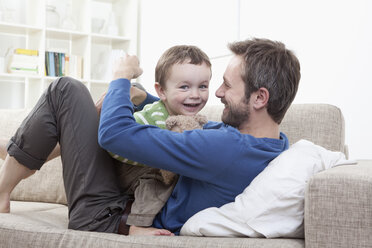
(149, 231)
(4, 203)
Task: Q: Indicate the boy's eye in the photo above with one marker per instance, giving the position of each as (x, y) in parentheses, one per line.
(204, 86)
(184, 87)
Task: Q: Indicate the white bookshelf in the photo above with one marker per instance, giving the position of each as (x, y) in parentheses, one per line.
(32, 31)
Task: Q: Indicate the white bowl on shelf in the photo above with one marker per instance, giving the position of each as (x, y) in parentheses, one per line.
(97, 25)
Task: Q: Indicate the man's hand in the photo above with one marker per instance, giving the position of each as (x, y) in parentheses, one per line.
(126, 67)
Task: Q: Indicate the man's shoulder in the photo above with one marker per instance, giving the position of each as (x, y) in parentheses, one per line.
(214, 125)
(269, 144)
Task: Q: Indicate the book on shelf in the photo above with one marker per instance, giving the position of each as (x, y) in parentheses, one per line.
(26, 51)
(62, 60)
(60, 64)
(23, 63)
(67, 64)
(47, 70)
(22, 70)
(50, 64)
(76, 66)
(26, 59)
(57, 64)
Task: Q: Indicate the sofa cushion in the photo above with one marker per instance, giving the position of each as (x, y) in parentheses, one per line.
(34, 224)
(40, 214)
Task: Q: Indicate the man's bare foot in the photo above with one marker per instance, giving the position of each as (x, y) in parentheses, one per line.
(4, 203)
(11, 173)
(3, 152)
(149, 231)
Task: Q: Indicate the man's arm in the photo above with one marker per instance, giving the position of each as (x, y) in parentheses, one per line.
(198, 154)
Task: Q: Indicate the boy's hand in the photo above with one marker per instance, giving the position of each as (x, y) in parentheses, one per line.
(99, 103)
(126, 67)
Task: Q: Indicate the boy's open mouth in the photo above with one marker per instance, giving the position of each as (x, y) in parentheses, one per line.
(193, 105)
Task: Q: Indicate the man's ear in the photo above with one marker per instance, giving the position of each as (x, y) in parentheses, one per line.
(160, 91)
(260, 98)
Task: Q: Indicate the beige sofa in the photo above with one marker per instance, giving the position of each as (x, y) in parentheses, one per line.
(338, 202)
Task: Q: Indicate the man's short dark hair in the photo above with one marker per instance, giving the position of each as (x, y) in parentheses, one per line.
(270, 65)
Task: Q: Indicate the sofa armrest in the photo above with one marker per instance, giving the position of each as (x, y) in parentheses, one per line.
(338, 207)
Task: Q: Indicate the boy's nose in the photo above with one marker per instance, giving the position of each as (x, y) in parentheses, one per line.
(195, 93)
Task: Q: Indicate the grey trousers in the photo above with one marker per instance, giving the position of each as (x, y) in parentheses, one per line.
(66, 113)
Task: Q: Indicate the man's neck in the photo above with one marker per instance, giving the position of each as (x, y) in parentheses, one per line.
(261, 128)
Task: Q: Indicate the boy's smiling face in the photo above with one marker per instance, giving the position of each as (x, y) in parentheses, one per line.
(186, 90)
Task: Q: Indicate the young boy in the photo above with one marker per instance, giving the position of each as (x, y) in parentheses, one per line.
(182, 77)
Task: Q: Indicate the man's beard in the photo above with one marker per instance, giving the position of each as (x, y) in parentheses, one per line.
(236, 114)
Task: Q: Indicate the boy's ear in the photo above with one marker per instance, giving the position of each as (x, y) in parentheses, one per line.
(160, 91)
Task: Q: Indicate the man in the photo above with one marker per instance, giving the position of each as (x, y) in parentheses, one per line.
(215, 164)
(219, 162)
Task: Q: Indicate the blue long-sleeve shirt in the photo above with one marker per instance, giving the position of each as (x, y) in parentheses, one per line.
(215, 164)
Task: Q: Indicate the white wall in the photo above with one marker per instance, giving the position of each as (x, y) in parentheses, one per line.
(332, 39)
(209, 24)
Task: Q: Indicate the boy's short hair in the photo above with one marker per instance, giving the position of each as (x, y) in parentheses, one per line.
(178, 55)
(270, 65)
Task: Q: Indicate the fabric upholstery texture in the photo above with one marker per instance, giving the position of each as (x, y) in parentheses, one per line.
(46, 227)
(340, 198)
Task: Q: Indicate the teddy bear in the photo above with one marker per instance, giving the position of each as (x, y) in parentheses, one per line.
(180, 123)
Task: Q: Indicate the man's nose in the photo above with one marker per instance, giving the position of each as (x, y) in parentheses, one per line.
(219, 92)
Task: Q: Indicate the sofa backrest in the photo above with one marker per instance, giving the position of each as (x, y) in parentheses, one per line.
(322, 124)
